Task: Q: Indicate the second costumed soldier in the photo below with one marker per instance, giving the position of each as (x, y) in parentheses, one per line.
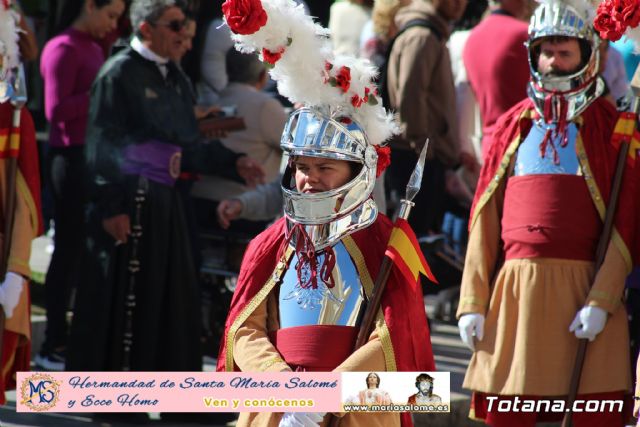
(17, 143)
(530, 289)
(306, 279)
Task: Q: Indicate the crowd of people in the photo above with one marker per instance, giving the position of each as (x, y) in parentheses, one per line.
(164, 121)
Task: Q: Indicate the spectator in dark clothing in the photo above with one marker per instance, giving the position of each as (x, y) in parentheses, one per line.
(69, 65)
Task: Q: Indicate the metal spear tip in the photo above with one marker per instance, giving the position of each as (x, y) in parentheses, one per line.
(416, 177)
(19, 95)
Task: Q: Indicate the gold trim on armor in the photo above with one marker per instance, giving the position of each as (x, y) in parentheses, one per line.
(20, 263)
(269, 363)
(262, 294)
(594, 191)
(596, 196)
(502, 169)
(472, 301)
(367, 283)
(606, 296)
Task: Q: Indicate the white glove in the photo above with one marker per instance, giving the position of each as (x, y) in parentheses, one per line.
(10, 291)
(301, 419)
(471, 325)
(589, 322)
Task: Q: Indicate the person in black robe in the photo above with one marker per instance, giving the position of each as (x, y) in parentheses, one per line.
(139, 308)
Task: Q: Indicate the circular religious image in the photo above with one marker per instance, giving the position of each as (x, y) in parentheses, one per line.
(40, 392)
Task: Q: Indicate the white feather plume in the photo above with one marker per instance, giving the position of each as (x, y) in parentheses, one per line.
(301, 74)
(9, 35)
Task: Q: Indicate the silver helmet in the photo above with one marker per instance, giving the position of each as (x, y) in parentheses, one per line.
(330, 215)
(555, 18)
(9, 50)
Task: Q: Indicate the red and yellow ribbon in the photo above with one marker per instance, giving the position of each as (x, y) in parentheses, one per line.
(404, 250)
(9, 143)
(625, 130)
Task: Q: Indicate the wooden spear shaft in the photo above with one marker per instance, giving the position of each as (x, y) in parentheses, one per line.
(601, 252)
(373, 305)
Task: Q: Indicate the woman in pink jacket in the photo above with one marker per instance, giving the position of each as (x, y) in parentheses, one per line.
(69, 64)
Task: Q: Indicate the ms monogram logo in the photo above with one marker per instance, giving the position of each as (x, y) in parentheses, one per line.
(40, 392)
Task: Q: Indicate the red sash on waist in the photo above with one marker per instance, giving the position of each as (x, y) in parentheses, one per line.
(549, 216)
(318, 348)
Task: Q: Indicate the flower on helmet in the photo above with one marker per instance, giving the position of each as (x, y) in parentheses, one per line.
(384, 159)
(615, 17)
(342, 80)
(244, 16)
(272, 57)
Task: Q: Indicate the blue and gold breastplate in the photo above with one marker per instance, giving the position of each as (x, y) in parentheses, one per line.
(530, 162)
(339, 305)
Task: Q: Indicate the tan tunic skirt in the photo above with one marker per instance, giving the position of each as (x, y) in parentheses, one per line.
(527, 347)
(529, 304)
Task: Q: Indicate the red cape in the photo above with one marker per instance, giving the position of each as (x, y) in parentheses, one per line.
(598, 122)
(402, 304)
(28, 165)
(28, 162)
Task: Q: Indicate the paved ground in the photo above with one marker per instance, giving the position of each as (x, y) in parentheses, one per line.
(450, 354)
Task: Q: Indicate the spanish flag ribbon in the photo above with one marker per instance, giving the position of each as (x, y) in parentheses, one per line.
(9, 143)
(405, 252)
(625, 130)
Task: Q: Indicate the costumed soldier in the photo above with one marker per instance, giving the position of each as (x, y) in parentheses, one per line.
(17, 144)
(528, 289)
(304, 281)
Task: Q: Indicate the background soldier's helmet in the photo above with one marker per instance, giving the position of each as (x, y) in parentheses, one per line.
(571, 18)
(9, 50)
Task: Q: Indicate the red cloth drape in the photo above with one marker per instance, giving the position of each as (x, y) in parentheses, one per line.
(598, 122)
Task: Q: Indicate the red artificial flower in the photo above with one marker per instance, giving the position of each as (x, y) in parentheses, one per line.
(627, 12)
(6, 4)
(244, 16)
(343, 79)
(326, 78)
(272, 57)
(356, 101)
(606, 25)
(384, 159)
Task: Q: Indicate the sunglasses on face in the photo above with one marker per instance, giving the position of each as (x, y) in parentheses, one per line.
(176, 25)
